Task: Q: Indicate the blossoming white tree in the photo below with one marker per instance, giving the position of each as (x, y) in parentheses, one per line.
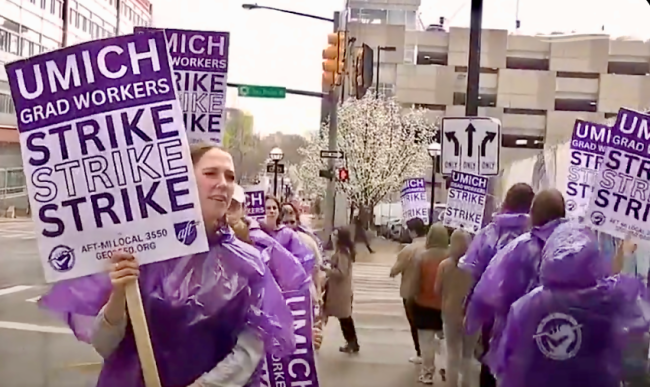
(383, 144)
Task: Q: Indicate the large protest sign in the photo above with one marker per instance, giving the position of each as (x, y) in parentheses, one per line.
(200, 61)
(255, 202)
(620, 203)
(588, 144)
(414, 200)
(299, 368)
(466, 201)
(105, 155)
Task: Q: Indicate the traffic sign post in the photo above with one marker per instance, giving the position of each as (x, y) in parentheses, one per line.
(270, 168)
(471, 144)
(330, 154)
(255, 91)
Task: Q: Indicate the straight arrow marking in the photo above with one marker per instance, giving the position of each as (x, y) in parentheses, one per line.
(470, 139)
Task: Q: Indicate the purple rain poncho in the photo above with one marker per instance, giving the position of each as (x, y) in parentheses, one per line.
(571, 330)
(503, 229)
(291, 241)
(512, 272)
(196, 306)
(286, 269)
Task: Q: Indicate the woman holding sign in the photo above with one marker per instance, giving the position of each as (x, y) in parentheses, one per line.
(212, 316)
(286, 236)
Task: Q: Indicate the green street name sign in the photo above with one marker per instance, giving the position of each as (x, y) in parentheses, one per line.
(261, 91)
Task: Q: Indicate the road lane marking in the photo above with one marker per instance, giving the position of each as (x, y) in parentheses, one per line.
(34, 300)
(33, 328)
(14, 289)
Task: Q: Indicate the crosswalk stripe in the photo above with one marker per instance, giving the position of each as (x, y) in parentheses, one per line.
(372, 285)
(14, 289)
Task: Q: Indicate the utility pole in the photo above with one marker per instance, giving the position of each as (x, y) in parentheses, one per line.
(330, 192)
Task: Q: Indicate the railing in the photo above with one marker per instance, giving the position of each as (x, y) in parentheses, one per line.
(12, 192)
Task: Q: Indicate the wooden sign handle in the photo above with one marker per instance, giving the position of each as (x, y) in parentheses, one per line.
(141, 333)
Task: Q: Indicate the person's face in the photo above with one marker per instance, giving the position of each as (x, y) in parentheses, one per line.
(290, 220)
(288, 210)
(215, 179)
(272, 210)
(235, 212)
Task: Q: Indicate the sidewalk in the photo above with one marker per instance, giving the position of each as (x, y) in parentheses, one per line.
(385, 251)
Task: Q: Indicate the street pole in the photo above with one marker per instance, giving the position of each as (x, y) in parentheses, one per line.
(330, 192)
(275, 178)
(473, 82)
(378, 61)
(433, 190)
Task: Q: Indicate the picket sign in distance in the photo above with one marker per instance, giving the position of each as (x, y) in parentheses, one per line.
(620, 203)
(200, 63)
(466, 201)
(414, 200)
(588, 144)
(105, 155)
(255, 202)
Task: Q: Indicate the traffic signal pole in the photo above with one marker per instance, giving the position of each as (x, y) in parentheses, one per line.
(330, 192)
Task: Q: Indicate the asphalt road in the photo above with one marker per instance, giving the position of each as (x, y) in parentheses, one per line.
(37, 351)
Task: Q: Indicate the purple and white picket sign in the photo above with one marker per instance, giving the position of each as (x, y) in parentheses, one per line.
(255, 203)
(466, 201)
(414, 200)
(105, 155)
(200, 62)
(620, 203)
(299, 368)
(588, 144)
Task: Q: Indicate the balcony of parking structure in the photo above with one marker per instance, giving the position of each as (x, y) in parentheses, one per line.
(528, 47)
(510, 155)
(559, 125)
(581, 53)
(494, 45)
(437, 41)
(425, 84)
(526, 89)
(628, 56)
(567, 86)
(631, 91)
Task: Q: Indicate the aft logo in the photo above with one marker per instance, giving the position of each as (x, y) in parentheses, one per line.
(186, 232)
(61, 258)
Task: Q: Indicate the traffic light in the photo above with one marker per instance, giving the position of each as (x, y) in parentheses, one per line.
(334, 59)
(363, 70)
(343, 175)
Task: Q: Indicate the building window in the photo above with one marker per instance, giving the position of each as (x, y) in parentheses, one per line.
(527, 64)
(432, 58)
(628, 68)
(576, 105)
(574, 74)
(459, 99)
(525, 112)
(386, 89)
(7, 104)
(369, 16)
(410, 54)
(43, 4)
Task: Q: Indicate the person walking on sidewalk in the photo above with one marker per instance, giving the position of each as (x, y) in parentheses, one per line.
(453, 286)
(360, 234)
(427, 314)
(409, 281)
(338, 291)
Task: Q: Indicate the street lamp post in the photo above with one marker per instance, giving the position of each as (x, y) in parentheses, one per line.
(434, 152)
(379, 50)
(256, 6)
(276, 155)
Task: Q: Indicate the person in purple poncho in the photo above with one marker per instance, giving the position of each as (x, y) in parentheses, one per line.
(511, 222)
(286, 269)
(513, 272)
(570, 331)
(286, 236)
(211, 316)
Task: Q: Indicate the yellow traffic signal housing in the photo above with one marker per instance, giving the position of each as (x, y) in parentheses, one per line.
(334, 58)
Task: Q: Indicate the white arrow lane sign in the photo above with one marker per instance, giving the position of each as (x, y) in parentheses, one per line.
(471, 144)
